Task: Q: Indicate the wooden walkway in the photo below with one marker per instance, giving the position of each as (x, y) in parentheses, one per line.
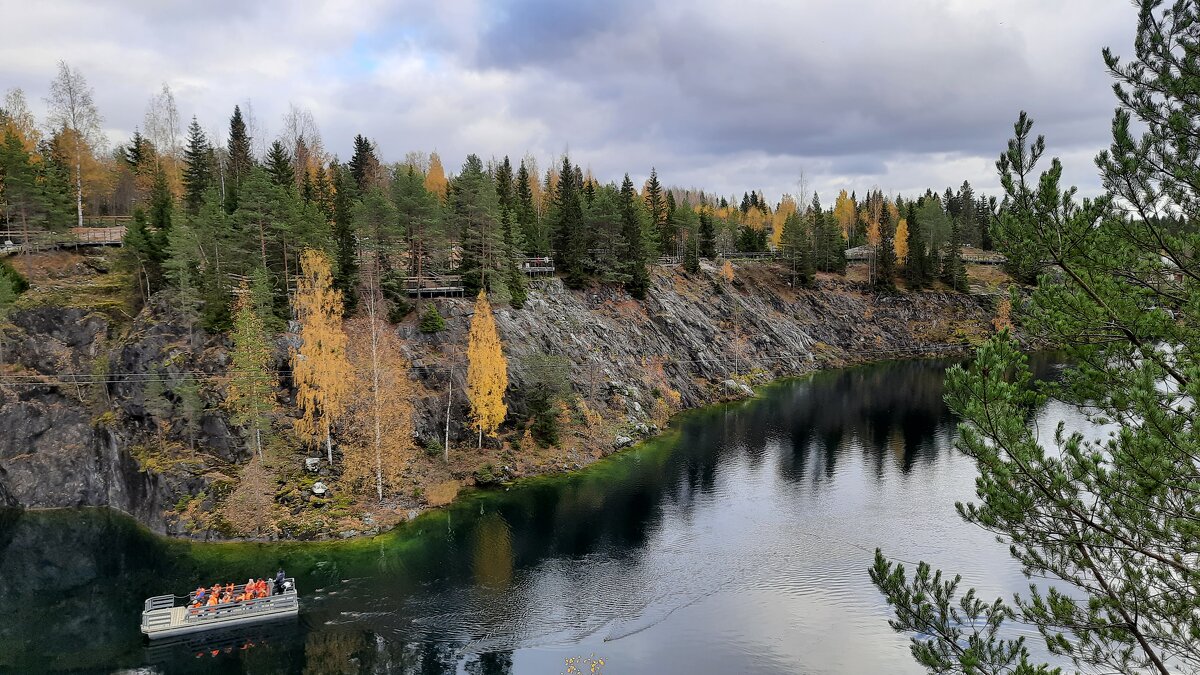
(447, 285)
(19, 241)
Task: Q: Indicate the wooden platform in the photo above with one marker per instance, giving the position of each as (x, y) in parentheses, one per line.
(161, 617)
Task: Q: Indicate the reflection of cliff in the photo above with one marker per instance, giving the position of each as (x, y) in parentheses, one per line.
(433, 596)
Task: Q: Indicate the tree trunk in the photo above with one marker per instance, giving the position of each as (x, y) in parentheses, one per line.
(328, 444)
(78, 184)
(262, 242)
(449, 397)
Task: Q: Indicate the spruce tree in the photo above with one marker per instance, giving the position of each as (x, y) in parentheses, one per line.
(708, 237)
(885, 254)
(916, 270)
(364, 165)
(240, 159)
(345, 246)
(796, 244)
(567, 233)
(197, 167)
(279, 167)
(527, 220)
(635, 242)
(656, 206)
(954, 272)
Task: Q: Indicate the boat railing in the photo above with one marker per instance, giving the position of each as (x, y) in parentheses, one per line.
(224, 610)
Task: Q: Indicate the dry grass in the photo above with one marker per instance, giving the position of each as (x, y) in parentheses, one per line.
(440, 494)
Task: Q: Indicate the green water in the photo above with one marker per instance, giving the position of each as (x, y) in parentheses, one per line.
(736, 543)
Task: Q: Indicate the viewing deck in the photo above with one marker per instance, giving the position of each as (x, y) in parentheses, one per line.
(434, 286)
(161, 618)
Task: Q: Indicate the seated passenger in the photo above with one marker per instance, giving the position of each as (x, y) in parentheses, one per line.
(212, 600)
(199, 593)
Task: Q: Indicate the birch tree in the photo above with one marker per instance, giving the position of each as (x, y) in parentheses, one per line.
(319, 365)
(379, 436)
(72, 108)
(487, 370)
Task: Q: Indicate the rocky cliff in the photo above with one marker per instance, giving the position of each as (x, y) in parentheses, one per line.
(80, 426)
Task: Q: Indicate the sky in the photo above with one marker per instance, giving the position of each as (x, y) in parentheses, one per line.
(727, 96)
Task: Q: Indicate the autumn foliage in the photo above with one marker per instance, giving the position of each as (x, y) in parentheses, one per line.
(487, 370)
(319, 364)
(378, 437)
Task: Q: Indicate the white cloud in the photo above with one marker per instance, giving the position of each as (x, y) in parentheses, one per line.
(729, 96)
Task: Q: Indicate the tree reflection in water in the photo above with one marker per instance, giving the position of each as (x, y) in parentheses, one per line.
(551, 565)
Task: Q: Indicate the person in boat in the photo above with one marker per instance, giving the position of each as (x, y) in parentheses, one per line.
(260, 588)
(279, 578)
(212, 600)
(199, 594)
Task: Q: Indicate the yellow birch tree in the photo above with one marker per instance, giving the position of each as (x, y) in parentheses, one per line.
(487, 370)
(319, 365)
(379, 431)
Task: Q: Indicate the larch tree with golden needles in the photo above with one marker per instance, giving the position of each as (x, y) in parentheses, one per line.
(319, 366)
(435, 177)
(250, 395)
(900, 242)
(845, 211)
(487, 370)
(727, 272)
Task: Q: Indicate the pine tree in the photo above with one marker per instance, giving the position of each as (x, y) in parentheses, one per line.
(422, 221)
(240, 160)
(198, 161)
(279, 167)
(474, 207)
(250, 396)
(319, 365)
(487, 371)
(633, 234)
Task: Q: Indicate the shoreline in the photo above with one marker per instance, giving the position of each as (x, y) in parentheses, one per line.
(946, 351)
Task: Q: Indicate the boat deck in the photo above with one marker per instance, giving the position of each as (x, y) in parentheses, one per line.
(162, 618)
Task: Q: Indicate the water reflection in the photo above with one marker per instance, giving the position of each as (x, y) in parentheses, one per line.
(737, 544)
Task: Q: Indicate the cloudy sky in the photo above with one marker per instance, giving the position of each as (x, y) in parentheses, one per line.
(719, 94)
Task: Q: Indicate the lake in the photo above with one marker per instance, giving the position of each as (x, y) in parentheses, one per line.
(738, 542)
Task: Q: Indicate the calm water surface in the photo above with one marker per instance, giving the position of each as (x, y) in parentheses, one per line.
(737, 543)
